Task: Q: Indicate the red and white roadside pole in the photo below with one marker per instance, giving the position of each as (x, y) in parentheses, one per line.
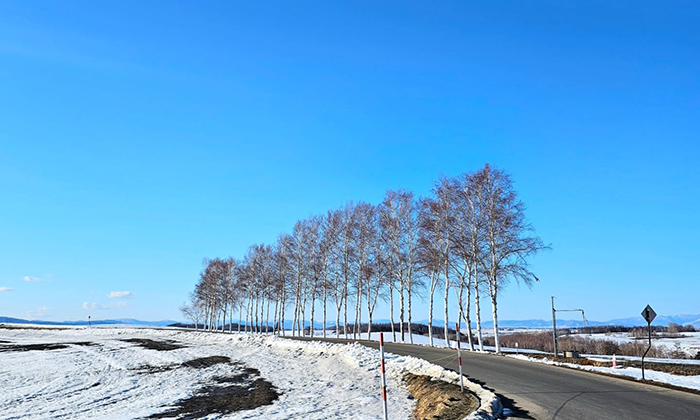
(459, 357)
(381, 350)
(614, 365)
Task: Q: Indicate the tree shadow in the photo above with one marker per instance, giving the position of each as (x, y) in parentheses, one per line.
(511, 410)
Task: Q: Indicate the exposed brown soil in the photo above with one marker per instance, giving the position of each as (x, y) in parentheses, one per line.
(205, 362)
(439, 400)
(200, 363)
(154, 345)
(227, 394)
(42, 346)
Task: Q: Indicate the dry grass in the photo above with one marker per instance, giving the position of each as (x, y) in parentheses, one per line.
(673, 368)
(439, 400)
(542, 341)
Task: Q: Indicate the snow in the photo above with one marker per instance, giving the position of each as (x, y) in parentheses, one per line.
(679, 380)
(689, 343)
(692, 382)
(316, 380)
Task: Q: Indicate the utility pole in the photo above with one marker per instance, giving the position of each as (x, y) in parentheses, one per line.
(554, 327)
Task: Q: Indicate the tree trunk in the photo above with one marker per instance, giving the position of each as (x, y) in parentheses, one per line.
(410, 328)
(325, 296)
(401, 310)
(433, 286)
(358, 310)
(430, 318)
(391, 312)
(282, 304)
(447, 320)
(477, 307)
(296, 315)
(275, 323)
(338, 306)
(494, 313)
(240, 314)
(313, 309)
(467, 317)
(345, 299)
(262, 309)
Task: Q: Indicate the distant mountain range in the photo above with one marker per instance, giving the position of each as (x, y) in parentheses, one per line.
(126, 321)
(662, 320)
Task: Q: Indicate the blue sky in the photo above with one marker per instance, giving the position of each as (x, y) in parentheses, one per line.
(137, 138)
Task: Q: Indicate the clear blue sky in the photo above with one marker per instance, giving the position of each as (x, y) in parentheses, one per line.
(138, 137)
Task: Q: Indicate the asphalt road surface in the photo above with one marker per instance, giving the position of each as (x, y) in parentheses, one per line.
(537, 391)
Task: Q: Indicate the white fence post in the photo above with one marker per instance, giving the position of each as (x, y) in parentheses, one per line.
(459, 357)
(381, 349)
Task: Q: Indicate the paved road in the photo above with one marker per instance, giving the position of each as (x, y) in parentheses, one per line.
(543, 392)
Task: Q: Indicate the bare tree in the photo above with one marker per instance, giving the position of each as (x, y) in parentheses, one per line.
(363, 218)
(347, 257)
(470, 237)
(443, 216)
(327, 245)
(430, 255)
(282, 271)
(508, 237)
(334, 230)
(315, 261)
(399, 223)
(192, 310)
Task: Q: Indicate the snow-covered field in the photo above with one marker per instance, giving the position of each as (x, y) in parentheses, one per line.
(689, 343)
(107, 380)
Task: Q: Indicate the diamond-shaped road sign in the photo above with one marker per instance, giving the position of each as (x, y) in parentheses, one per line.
(648, 314)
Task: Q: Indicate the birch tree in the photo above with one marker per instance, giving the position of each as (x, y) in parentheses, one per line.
(399, 223)
(508, 236)
(443, 216)
(430, 254)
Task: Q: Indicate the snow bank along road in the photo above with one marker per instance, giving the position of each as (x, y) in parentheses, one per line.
(108, 374)
(543, 392)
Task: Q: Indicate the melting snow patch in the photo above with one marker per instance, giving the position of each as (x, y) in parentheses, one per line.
(315, 380)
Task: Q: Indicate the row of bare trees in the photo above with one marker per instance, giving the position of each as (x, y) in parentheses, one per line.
(470, 238)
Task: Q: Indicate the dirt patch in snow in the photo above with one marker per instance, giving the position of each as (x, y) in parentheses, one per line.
(200, 363)
(155, 345)
(225, 395)
(41, 346)
(205, 362)
(439, 400)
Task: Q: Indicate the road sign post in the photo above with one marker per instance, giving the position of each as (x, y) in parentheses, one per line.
(649, 316)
